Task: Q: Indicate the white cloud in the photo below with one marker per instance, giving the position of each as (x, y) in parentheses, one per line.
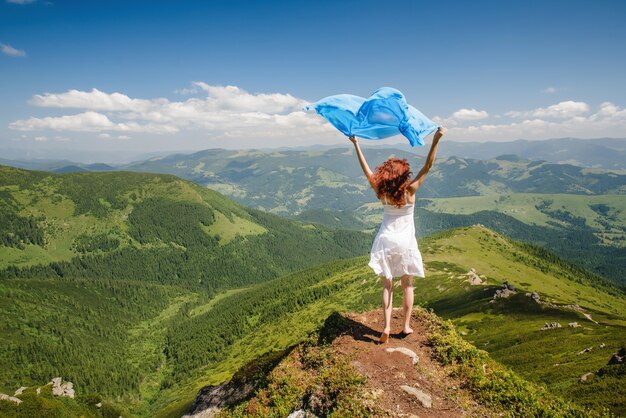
(549, 90)
(469, 114)
(91, 100)
(86, 122)
(10, 51)
(228, 116)
(21, 1)
(609, 120)
(566, 109)
(41, 138)
(222, 110)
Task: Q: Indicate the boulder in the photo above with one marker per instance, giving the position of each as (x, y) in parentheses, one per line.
(584, 377)
(573, 324)
(20, 390)
(422, 397)
(301, 413)
(586, 350)
(535, 296)
(10, 398)
(503, 293)
(551, 325)
(619, 357)
(509, 286)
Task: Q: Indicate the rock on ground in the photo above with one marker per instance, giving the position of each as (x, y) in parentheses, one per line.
(423, 397)
(407, 352)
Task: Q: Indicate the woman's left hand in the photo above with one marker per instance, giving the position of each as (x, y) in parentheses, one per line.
(353, 139)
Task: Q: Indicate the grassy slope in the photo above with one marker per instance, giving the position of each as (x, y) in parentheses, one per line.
(508, 329)
(522, 206)
(276, 314)
(80, 207)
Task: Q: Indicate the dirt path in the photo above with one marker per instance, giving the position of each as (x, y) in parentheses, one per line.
(392, 377)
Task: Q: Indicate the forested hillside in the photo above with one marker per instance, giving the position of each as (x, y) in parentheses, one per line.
(142, 288)
(155, 228)
(547, 204)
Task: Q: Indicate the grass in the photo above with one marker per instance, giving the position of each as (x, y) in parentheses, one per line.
(522, 206)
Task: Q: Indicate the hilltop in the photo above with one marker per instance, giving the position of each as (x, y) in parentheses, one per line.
(341, 370)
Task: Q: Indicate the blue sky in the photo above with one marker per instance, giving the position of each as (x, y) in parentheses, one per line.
(487, 70)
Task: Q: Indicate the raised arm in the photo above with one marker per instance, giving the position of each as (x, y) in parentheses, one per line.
(366, 168)
(430, 159)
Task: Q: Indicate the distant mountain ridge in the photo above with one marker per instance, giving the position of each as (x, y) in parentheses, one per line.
(601, 153)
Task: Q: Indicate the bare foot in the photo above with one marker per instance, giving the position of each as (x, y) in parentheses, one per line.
(384, 337)
(407, 330)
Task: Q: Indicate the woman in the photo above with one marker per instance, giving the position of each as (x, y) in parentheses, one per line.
(394, 251)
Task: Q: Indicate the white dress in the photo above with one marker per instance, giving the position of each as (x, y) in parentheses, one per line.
(394, 251)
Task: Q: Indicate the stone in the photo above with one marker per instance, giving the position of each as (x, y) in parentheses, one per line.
(99, 405)
(56, 382)
(509, 286)
(410, 353)
(503, 293)
(38, 391)
(423, 397)
(586, 350)
(10, 398)
(300, 413)
(602, 345)
(20, 390)
(551, 325)
(619, 357)
(573, 324)
(584, 377)
(535, 296)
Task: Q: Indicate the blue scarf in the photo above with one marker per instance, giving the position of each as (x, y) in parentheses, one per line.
(386, 113)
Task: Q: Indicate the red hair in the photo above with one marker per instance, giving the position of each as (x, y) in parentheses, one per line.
(391, 179)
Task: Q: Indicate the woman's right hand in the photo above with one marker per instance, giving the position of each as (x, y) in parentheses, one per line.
(352, 139)
(440, 131)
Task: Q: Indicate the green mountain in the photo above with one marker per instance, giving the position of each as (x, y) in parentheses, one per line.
(143, 288)
(288, 182)
(547, 204)
(159, 228)
(605, 153)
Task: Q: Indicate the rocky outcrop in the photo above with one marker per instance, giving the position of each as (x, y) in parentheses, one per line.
(619, 357)
(506, 291)
(534, 296)
(474, 279)
(573, 325)
(62, 389)
(586, 350)
(6, 397)
(210, 399)
(551, 325)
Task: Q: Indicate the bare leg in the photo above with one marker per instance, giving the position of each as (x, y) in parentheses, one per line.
(407, 302)
(387, 303)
